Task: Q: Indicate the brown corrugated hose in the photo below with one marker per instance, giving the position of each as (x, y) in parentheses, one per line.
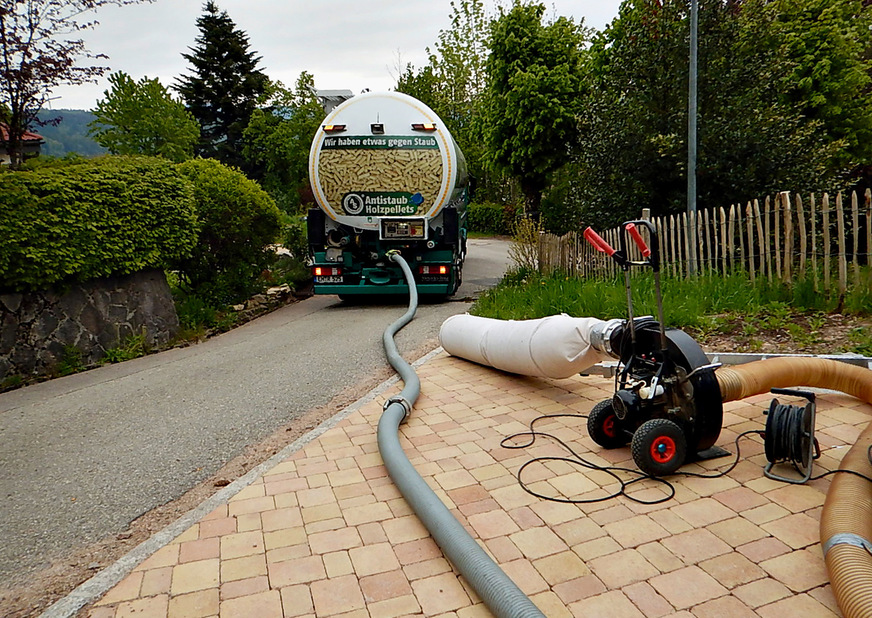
(846, 521)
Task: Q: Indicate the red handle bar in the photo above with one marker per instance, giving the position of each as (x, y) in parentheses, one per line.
(637, 238)
(598, 242)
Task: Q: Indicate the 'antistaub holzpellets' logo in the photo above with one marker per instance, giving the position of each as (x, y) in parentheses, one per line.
(378, 203)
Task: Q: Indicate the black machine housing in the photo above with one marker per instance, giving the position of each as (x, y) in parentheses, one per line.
(667, 399)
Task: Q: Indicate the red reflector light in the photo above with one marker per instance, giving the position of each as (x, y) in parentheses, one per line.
(334, 128)
(326, 271)
(433, 270)
(423, 126)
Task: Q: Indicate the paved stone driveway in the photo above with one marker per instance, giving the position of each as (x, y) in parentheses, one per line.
(325, 533)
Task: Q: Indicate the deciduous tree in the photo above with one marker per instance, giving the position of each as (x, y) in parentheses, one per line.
(143, 118)
(453, 83)
(278, 139)
(632, 152)
(534, 72)
(40, 49)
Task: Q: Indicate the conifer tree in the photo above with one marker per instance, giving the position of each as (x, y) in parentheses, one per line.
(223, 90)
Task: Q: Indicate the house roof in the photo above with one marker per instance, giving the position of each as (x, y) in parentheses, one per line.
(29, 136)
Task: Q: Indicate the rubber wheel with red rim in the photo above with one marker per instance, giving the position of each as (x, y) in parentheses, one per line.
(605, 427)
(659, 447)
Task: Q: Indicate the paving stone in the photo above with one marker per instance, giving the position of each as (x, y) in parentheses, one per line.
(562, 567)
(150, 607)
(732, 569)
(156, 581)
(622, 568)
(298, 571)
(728, 606)
(493, 524)
(687, 587)
(194, 605)
(384, 586)
(440, 594)
(636, 531)
(297, 601)
(612, 604)
(538, 542)
(194, 576)
(646, 599)
(373, 559)
(242, 568)
(244, 587)
(763, 549)
(336, 596)
(266, 604)
(799, 605)
(799, 570)
(199, 550)
(796, 531)
(703, 512)
(737, 531)
(761, 592)
(580, 588)
(695, 546)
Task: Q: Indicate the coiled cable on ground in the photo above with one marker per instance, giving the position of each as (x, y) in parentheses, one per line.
(498, 592)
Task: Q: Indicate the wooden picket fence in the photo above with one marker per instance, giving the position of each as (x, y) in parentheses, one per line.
(785, 237)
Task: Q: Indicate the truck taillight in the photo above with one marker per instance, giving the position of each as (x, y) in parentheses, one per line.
(442, 269)
(326, 271)
(423, 126)
(334, 128)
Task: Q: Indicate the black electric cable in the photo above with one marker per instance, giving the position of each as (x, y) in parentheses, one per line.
(613, 471)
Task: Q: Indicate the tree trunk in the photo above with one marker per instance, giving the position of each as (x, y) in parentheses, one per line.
(532, 188)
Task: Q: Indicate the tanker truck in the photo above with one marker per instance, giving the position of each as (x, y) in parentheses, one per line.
(386, 176)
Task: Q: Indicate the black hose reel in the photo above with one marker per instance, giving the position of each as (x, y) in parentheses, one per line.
(789, 436)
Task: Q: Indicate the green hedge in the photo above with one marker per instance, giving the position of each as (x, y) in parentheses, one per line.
(238, 220)
(489, 218)
(90, 219)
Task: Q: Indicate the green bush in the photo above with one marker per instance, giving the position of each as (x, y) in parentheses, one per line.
(93, 218)
(295, 239)
(489, 218)
(238, 222)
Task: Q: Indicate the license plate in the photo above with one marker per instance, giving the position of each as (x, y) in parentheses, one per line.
(329, 279)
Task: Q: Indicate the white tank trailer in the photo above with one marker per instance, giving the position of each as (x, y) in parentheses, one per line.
(387, 176)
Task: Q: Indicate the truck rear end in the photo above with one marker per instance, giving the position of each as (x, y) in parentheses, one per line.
(386, 175)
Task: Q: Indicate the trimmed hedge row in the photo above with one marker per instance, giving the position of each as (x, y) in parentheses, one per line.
(90, 219)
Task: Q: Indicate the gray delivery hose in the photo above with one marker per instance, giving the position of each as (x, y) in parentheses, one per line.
(498, 592)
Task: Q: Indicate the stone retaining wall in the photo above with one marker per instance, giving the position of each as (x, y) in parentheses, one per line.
(39, 329)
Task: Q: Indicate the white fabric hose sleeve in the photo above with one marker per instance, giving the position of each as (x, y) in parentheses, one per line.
(554, 347)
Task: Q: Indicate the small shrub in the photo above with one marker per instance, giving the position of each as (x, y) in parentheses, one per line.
(861, 340)
(71, 361)
(10, 382)
(132, 347)
(194, 312)
(524, 251)
(238, 223)
(295, 239)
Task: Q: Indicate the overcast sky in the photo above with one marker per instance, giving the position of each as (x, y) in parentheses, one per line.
(352, 44)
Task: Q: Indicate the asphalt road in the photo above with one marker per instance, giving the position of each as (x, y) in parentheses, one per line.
(83, 456)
